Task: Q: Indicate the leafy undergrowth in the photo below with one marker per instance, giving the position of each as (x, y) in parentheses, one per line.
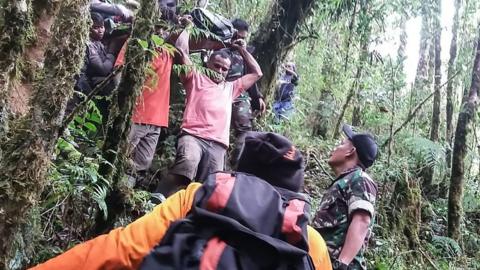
(75, 196)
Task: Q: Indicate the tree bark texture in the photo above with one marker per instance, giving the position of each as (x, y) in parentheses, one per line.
(25, 155)
(130, 87)
(435, 123)
(450, 84)
(322, 119)
(14, 34)
(357, 109)
(421, 77)
(30, 62)
(455, 197)
(397, 81)
(392, 121)
(277, 35)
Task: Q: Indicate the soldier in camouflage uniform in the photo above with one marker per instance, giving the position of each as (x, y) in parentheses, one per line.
(241, 121)
(346, 212)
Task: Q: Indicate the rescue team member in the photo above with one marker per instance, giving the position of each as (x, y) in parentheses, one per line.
(266, 156)
(345, 215)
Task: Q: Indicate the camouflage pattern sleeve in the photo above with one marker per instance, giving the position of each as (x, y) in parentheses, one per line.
(362, 193)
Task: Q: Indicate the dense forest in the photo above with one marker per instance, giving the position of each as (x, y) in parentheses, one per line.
(408, 71)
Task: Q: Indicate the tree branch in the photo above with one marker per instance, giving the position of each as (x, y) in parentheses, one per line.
(323, 168)
(414, 112)
(89, 97)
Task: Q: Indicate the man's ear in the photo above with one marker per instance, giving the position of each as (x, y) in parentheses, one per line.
(351, 152)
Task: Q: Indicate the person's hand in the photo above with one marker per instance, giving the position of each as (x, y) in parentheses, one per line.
(132, 4)
(259, 107)
(263, 106)
(126, 14)
(290, 72)
(239, 44)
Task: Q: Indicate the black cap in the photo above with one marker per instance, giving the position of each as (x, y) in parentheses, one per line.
(365, 145)
(273, 158)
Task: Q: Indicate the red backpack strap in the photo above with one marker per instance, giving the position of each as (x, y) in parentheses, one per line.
(295, 217)
(224, 183)
(212, 254)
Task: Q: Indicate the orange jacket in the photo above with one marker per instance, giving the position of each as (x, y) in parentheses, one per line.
(125, 248)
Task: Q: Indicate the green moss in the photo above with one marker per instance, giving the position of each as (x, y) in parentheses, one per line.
(25, 156)
(404, 218)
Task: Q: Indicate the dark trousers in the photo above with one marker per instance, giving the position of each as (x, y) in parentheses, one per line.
(241, 123)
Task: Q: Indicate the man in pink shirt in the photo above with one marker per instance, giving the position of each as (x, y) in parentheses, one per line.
(204, 138)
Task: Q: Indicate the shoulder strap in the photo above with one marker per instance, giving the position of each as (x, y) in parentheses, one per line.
(260, 247)
(256, 205)
(237, 219)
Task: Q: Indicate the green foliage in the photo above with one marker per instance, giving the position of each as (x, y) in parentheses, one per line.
(99, 195)
(197, 33)
(446, 246)
(181, 70)
(87, 123)
(471, 200)
(252, 11)
(156, 43)
(426, 152)
(327, 58)
(75, 191)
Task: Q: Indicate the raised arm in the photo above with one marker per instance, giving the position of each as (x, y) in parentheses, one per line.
(183, 48)
(111, 9)
(254, 70)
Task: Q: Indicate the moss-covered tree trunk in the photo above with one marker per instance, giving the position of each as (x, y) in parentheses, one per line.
(13, 36)
(277, 35)
(435, 123)
(25, 155)
(405, 218)
(455, 197)
(133, 77)
(449, 95)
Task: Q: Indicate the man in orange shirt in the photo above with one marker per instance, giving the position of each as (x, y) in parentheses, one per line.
(151, 110)
(268, 156)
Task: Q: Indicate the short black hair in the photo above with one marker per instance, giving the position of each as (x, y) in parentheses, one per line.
(222, 53)
(97, 18)
(240, 25)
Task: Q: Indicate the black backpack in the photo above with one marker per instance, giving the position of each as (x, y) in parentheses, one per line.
(237, 221)
(214, 23)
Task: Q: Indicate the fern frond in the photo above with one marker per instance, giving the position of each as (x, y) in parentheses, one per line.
(448, 245)
(428, 152)
(99, 194)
